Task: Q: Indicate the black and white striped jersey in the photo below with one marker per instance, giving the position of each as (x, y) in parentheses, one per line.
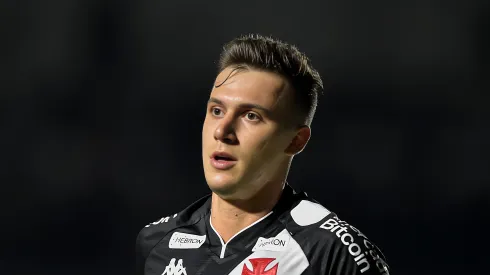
(299, 236)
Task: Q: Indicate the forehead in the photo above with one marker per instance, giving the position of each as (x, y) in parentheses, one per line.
(251, 86)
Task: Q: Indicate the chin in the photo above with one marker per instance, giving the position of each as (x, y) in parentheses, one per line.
(222, 185)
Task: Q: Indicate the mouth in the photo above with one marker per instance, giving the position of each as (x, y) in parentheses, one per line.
(222, 156)
(222, 160)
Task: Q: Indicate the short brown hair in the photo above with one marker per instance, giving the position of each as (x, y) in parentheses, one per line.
(265, 53)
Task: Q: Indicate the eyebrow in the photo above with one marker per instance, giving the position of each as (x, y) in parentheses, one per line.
(242, 105)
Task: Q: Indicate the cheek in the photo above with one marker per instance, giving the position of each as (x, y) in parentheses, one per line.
(263, 145)
(207, 132)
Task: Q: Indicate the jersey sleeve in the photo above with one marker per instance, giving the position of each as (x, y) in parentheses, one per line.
(352, 253)
(149, 237)
(139, 263)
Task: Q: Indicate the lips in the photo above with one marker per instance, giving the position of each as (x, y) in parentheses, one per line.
(222, 160)
(223, 156)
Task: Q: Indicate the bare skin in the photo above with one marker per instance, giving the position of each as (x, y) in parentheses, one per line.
(249, 117)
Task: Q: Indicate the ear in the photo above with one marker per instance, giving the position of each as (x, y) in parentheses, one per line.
(299, 141)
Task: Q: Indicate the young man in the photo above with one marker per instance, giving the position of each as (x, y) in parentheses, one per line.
(258, 118)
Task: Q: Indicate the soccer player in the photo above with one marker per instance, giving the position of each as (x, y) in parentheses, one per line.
(258, 118)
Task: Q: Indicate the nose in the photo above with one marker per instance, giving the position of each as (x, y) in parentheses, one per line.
(225, 131)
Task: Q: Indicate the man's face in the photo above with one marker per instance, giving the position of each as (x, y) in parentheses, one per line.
(245, 133)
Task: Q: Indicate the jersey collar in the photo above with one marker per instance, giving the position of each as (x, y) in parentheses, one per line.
(268, 226)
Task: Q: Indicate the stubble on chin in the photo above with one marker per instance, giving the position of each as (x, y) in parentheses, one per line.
(225, 191)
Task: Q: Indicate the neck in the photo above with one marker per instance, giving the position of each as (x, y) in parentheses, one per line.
(230, 216)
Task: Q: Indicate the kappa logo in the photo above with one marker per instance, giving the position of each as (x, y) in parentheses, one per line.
(172, 269)
(258, 267)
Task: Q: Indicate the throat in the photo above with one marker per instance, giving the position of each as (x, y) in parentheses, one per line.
(231, 217)
(227, 231)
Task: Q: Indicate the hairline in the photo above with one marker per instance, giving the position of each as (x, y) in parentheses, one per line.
(300, 117)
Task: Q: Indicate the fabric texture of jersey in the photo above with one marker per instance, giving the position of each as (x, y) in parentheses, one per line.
(299, 236)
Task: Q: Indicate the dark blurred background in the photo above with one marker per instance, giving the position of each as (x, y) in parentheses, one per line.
(101, 105)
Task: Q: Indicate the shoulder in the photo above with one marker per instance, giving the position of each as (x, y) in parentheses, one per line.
(152, 233)
(343, 247)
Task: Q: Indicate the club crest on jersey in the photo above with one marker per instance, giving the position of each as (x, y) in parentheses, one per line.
(172, 269)
(258, 267)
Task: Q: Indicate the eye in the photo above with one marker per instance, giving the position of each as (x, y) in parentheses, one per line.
(252, 117)
(216, 111)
